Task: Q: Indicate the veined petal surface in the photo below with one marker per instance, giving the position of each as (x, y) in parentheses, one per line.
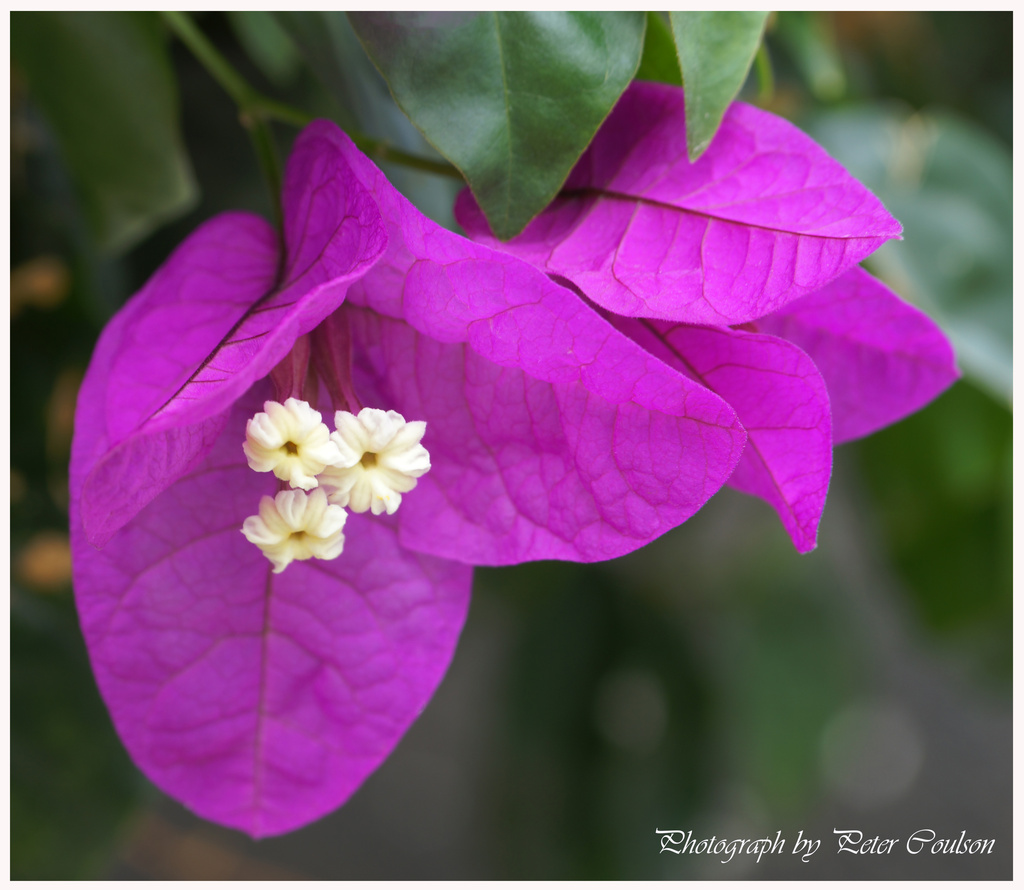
(524, 468)
(640, 444)
(260, 701)
(763, 217)
(781, 400)
(881, 358)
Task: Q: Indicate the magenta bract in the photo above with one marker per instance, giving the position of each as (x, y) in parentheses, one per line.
(724, 333)
(739, 271)
(764, 216)
(263, 700)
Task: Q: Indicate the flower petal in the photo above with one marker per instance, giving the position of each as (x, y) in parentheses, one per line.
(762, 218)
(146, 353)
(609, 393)
(781, 400)
(524, 468)
(260, 701)
(210, 323)
(881, 358)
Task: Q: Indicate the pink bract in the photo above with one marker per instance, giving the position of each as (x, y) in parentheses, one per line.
(764, 216)
(263, 701)
(662, 329)
(740, 271)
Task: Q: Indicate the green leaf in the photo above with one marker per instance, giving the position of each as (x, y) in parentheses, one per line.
(715, 50)
(105, 84)
(511, 99)
(659, 61)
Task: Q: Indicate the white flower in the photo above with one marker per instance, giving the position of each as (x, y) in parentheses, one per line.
(296, 525)
(381, 459)
(290, 441)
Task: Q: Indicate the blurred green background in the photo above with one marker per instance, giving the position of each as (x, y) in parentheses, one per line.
(715, 681)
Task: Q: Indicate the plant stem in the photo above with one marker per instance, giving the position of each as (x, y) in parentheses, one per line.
(256, 110)
(213, 61)
(251, 111)
(379, 150)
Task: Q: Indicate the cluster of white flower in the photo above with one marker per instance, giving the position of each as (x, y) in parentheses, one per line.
(370, 460)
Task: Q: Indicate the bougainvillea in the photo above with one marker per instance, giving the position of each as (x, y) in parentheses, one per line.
(740, 271)
(269, 604)
(261, 688)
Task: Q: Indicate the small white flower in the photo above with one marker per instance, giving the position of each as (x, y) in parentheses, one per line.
(291, 441)
(296, 525)
(381, 459)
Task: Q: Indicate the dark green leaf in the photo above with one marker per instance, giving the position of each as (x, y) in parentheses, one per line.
(105, 84)
(715, 52)
(659, 61)
(512, 99)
